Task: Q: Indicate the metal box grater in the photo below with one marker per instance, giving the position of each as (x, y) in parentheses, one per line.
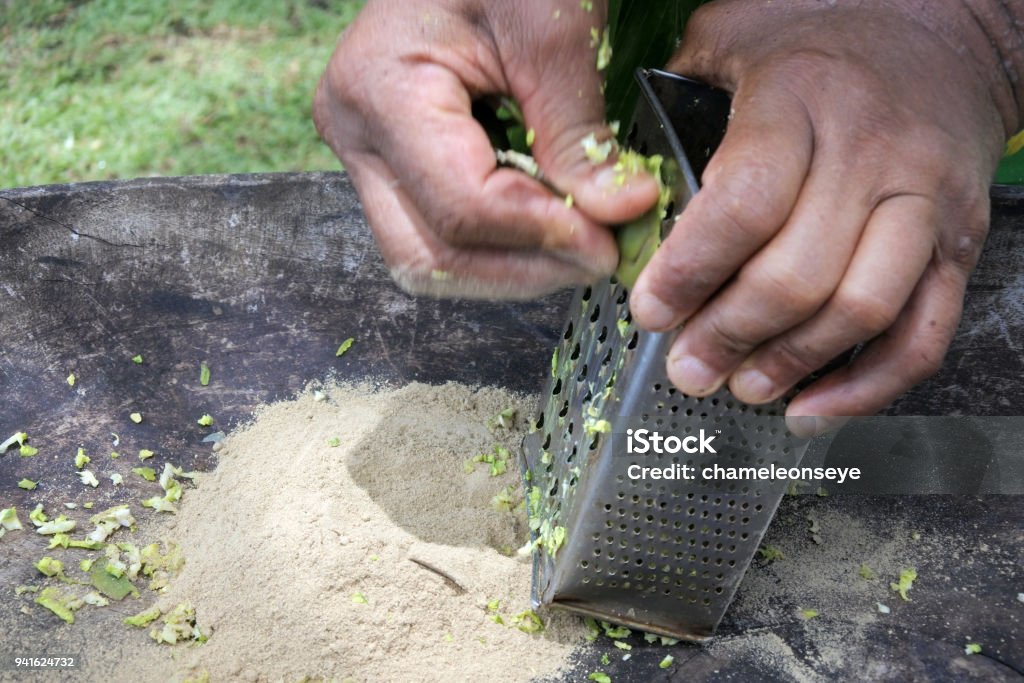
(663, 556)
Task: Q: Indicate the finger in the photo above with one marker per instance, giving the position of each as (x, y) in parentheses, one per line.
(909, 352)
(447, 168)
(895, 250)
(804, 427)
(422, 263)
(564, 104)
(783, 285)
(750, 188)
(713, 45)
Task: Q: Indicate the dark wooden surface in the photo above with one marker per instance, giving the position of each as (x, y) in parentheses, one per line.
(263, 276)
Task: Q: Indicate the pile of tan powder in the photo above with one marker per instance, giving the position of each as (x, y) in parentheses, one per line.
(354, 534)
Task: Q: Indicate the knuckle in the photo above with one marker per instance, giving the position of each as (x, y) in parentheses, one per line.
(455, 227)
(927, 361)
(704, 23)
(726, 339)
(963, 248)
(744, 200)
(793, 288)
(925, 358)
(794, 361)
(865, 311)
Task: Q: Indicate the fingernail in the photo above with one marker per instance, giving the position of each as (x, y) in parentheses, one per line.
(807, 427)
(753, 386)
(613, 180)
(693, 376)
(652, 312)
(610, 180)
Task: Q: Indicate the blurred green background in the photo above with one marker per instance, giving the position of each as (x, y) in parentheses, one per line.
(99, 89)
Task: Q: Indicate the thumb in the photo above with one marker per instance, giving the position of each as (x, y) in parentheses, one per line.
(572, 143)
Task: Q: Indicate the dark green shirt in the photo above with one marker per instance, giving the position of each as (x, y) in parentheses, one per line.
(654, 28)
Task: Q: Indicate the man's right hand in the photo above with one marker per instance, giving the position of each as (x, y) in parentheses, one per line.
(395, 106)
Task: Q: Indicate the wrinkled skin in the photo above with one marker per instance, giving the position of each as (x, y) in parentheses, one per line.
(394, 105)
(848, 202)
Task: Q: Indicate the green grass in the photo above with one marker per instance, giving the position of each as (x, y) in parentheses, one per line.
(106, 89)
(101, 89)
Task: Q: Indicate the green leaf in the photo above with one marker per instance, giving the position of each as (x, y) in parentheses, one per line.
(204, 373)
(205, 420)
(599, 677)
(137, 359)
(643, 34)
(1011, 170)
(114, 587)
(27, 484)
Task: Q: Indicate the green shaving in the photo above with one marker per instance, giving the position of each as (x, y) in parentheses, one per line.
(906, 582)
(59, 603)
(50, 567)
(179, 624)
(639, 239)
(147, 473)
(345, 346)
(144, 618)
(527, 621)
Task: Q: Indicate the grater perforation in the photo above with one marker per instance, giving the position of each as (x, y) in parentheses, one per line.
(665, 556)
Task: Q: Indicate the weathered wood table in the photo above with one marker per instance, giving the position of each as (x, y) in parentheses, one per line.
(262, 276)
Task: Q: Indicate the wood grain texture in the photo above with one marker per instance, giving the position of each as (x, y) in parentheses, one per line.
(263, 276)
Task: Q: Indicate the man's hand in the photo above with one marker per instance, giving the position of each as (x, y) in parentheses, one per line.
(395, 106)
(847, 203)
